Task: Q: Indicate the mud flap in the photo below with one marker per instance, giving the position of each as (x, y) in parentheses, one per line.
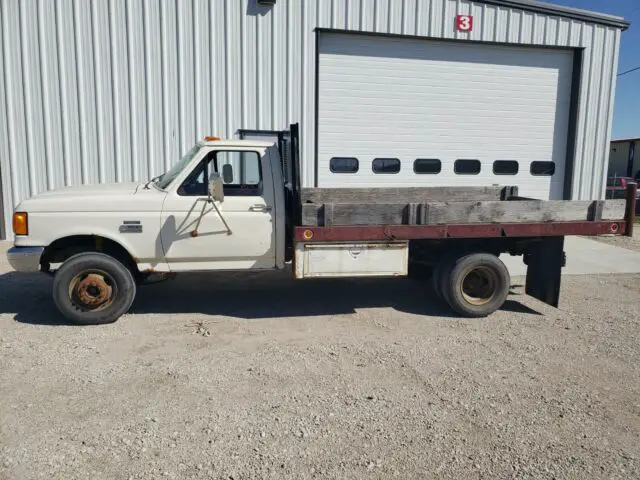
(545, 260)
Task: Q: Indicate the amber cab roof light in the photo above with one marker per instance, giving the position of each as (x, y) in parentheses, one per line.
(211, 139)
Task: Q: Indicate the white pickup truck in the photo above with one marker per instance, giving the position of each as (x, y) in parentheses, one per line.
(237, 205)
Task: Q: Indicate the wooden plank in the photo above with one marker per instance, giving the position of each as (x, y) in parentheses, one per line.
(400, 195)
(327, 210)
(312, 215)
(424, 214)
(613, 209)
(417, 214)
(438, 213)
(413, 211)
(374, 214)
(520, 211)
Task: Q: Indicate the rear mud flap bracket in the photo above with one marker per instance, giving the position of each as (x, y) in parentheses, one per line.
(545, 260)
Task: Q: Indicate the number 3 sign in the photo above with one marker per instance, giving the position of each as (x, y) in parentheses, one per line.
(464, 23)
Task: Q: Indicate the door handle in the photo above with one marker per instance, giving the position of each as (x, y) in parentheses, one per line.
(260, 208)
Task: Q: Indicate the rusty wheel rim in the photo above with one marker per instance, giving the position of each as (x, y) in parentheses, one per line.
(479, 285)
(92, 290)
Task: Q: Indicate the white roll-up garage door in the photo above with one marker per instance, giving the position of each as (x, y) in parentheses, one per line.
(411, 112)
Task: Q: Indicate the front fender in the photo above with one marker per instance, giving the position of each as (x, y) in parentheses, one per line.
(143, 244)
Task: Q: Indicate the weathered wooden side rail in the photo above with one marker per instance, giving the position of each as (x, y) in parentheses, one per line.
(405, 195)
(460, 212)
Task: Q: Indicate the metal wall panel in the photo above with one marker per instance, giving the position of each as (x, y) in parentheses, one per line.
(116, 90)
(5, 178)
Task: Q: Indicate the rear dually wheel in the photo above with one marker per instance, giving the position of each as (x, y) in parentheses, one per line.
(476, 285)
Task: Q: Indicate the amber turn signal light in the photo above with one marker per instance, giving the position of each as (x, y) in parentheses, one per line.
(20, 223)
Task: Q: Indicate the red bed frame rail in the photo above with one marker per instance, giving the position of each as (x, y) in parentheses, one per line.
(414, 232)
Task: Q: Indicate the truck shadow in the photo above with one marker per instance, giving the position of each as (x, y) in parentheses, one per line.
(249, 296)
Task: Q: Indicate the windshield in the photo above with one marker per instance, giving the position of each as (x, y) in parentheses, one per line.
(165, 179)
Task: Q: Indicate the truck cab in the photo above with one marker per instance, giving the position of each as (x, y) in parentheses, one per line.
(170, 223)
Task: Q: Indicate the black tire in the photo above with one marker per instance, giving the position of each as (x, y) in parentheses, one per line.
(476, 285)
(440, 269)
(93, 289)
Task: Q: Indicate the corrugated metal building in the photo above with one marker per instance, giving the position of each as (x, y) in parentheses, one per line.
(624, 158)
(114, 90)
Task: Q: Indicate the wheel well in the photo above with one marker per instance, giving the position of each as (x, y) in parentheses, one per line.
(432, 251)
(63, 248)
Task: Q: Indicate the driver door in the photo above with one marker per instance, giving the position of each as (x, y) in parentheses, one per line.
(248, 208)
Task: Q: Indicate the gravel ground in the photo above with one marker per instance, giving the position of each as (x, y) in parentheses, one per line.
(631, 243)
(265, 377)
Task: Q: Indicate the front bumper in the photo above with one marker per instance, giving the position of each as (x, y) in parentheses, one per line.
(25, 259)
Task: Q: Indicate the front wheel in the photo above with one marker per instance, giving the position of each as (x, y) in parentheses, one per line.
(93, 289)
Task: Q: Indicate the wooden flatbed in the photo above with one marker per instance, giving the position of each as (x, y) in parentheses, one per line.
(448, 223)
(449, 206)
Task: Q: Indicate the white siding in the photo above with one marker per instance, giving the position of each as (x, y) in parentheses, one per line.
(116, 90)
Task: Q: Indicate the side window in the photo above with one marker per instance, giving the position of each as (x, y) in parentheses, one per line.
(427, 165)
(241, 173)
(505, 167)
(543, 168)
(386, 165)
(466, 167)
(194, 184)
(344, 165)
(244, 168)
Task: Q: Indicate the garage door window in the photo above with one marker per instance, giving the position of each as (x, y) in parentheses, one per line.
(427, 165)
(466, 167)
(543, 168)
(386, 165)
(505, 167)
(344, 165)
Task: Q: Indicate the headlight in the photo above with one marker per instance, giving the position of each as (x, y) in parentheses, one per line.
(20, 223)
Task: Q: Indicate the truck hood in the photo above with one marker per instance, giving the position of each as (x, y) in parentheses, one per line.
(105, 189)
(113, 197)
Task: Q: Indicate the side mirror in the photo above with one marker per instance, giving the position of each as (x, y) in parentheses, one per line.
(227, 173)
(216, 187)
